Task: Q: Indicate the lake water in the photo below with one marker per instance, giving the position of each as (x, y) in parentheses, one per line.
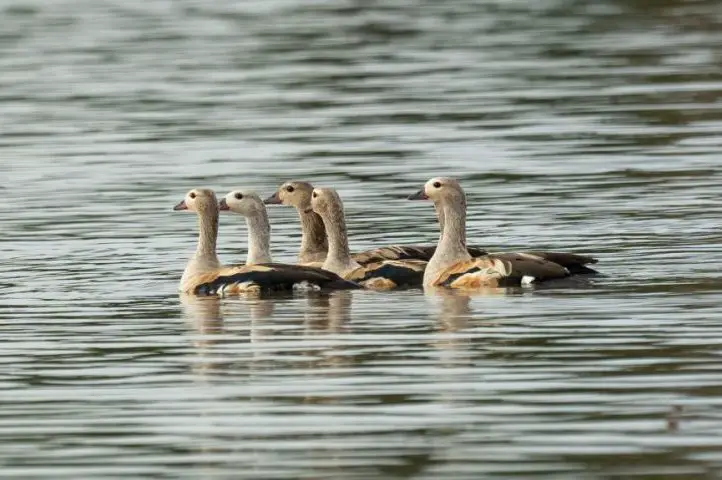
(594, 127)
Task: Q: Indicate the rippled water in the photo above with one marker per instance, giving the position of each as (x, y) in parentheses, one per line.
(590, 126)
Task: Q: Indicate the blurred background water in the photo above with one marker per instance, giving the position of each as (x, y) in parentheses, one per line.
(587, 126)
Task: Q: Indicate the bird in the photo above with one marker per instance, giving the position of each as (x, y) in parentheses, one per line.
(452, 266)
(384, 275)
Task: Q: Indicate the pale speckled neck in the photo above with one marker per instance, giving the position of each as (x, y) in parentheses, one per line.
(207, 233)
(259, 238)
(314, 244)
(205, 259)
(440, 217)
(339, 258)
(452, 243)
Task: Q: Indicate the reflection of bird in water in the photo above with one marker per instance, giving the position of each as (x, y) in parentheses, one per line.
(453, 305)
(260, 311)
(256, 308)
(455, 316)
(213, 320)
(212, 338)
(326, 319)
(324, 313)
(328, 313)
(204, 315)
(454, 310)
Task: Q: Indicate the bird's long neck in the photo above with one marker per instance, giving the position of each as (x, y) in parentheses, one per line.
(205, 259)
(314, 244)
(207, 234)
(440, 217)
(452, 243)
(339, 258)
(259, 238)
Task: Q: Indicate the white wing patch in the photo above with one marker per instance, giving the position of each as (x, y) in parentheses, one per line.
(306, 286)
(527, 280)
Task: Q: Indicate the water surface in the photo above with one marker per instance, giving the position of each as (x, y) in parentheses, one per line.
(585, 126)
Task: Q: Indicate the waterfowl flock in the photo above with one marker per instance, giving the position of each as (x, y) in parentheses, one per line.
(325, 261)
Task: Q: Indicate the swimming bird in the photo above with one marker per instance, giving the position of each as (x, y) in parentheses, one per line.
(204, 273)
(385, 274)
(452, 266)
(314, 241)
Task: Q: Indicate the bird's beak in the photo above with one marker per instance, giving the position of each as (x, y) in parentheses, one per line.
(274, 199)
(181, 206)
(223, 205)
(420, 195)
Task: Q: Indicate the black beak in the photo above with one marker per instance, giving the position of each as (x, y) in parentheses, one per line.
(223, 205)
(420, 195)
(273, 200)
(181, 206)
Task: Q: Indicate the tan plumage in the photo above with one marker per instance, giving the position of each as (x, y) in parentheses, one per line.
(452, 266)
(312, 264)
(314, 241)
(384, 275)
(498, 270)
(204, 273)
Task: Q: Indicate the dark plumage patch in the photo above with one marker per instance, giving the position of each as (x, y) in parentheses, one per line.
(204, 289)
(576, 264)
(476, 251)
(581, 270)
(277, 277)
(400, 275)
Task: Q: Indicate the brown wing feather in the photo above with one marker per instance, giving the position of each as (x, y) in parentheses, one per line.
(404, 252)
(394, 252)
(576, 264)
(525, 264)
(475, 251)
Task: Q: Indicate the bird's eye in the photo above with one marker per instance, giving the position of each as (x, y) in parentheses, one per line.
(314, 194)
(238, 196)
(437, 184)
(192, 195)
(289, 189)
